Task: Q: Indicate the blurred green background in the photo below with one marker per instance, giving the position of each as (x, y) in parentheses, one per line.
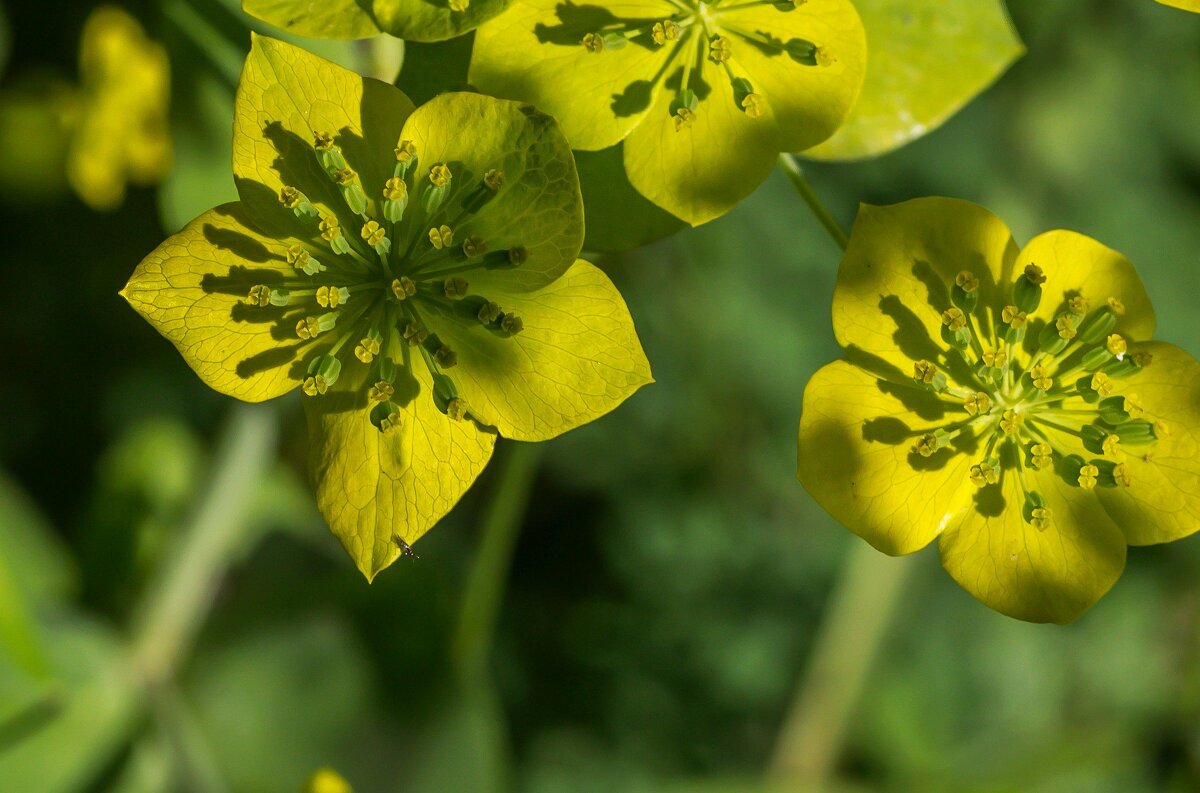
(670, 577)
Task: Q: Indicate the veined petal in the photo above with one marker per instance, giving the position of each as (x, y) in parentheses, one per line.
(857, 435)
(286, 95)
(807, 103)
(538, 207)
(533, 52)
(329, 19)
(1186, 5)
(700, 170)
(894, 280)
(928, 58)
(1078, 265)
(421, 20)
(374, 486)
(577, 358)
(1053, 575)
(1162, 502)
(192, 289)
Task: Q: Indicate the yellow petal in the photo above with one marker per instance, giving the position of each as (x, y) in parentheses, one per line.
(857, 434)
(894, 280)
(577, 358)
(699, 172)
(371, 486)
(532, 52)
(329, 19)
(538, 207)
(287, 94)
(1041, 576)
(1078, 265)
(1186, 5)
(1163, 502)
(192, 289)
(806, 103)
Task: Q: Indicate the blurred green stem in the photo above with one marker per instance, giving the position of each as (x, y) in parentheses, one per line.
(864, 600)
(791, 167)
(179, 598)
(502, 519)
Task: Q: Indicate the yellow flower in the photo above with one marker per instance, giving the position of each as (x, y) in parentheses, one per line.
(406, 384)
(703, 95)
(326, 780)
(122, 135)
(1186, 5)
(1081, 470)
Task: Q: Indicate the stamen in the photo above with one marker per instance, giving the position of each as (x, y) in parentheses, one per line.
(1087, 476)
(455, 287)
(511, 324)
(395, 199)
(441, 237)
(332, 296)
(403, 287)
(664, 31)
(299, 258)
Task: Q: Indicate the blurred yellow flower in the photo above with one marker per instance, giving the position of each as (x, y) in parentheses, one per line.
(122, 135)
(1033, 469)
(326, 780)
(1186, 5)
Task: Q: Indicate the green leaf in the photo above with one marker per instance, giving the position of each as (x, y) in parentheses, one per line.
(928, 58)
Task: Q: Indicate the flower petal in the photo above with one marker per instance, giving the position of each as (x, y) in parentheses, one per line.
(928, 59)
(807, 103)
(533, 52)
(1077, 264)
(372, 486)
(894, 280)
(539, 205)
(329, 19)
(577, 358)
(699, 172)
(1040, 576)
(1186, 5)
(421, 20)
(192, 289)
(285, 95)
(857, 460)
(1163, 502)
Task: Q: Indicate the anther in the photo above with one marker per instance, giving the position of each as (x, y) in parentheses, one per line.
(1040, 518)
(329, 154)
(368, 347)
(385, 416)
(1010, 422)
(1101, 383)
(1042, 456)
(296, 201)
(441, 237)
(395, 199)
(1087, 476)
(1111, 446)
(439, 175)
(352, 192)
(1027, 291)
(511, 324)
(373, 233)
(311, 327)
(966, 281)
(259, 296)
(415, 334)
(406, 155)
(1014, 317)
(995, 358)
(457, 409)
(474, 246)
(332, 296)
(719, 49)
(1117, 306)
(300, 259)
(977, 403)
(455, 287)
(954, 319)
(1065, 327)
(664, 31)
(985, 473)
(332, 233)
(459, 6)
(381, 391)
(927, 445)
(489, 312)
(1116, 345)
(754, 105)
(593, 42)
(518, 255)
(1120, 474)
(446, 357)
(1141, 359)
(683, 118)
(323, 372)
(403, 287)
(493, 179)
(1040, 376)
(1078, 306)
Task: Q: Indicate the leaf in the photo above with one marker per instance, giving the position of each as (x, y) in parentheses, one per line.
(928, 58)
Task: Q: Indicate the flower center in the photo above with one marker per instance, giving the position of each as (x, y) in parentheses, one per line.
(705, 39)
(372, 289)
(1049, 401)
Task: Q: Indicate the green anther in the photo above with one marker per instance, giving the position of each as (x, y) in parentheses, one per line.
(1136, 433)
(403, 288)
(296, 201)
(1098, 325)
(386, 416)
(395, 199)
(434, 196)
(329, 155)
(1050, 340)
(965, 292)
(1113, 410)
(406, 158)
(489, 312)
(303, 261)
(511, 324)
(1095, 358)
(322, 372)
(802, 51)
(1027, 291)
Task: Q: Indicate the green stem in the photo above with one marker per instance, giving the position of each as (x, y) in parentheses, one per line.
(178, 600)
(502, 521)
(865, 598)
(791, 167)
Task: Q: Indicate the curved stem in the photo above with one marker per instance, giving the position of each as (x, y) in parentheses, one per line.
(791, 167)
(178, 600)
(502, 520)
(864, 599)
